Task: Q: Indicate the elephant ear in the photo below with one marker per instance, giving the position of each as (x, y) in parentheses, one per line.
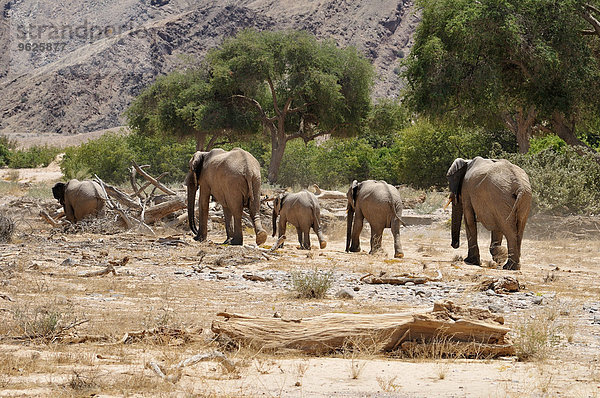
(197, 162)
(352, 193)
(58, 191)
(455, 175)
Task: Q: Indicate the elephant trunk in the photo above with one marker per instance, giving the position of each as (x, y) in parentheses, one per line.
(191, 199)
(274, 221)
(457, 215)
(350, 220)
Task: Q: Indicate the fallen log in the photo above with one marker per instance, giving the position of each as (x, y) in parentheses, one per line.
(324, 194)
(398, 280)
(331, 332)
(161, 210)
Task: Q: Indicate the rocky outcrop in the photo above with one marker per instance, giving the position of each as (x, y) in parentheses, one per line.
(112, 50)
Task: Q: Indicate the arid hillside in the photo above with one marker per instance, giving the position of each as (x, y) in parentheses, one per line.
(93, 57)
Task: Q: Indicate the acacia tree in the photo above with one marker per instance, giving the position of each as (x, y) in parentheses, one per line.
(183, 103)
(295, 86)
(525, 64)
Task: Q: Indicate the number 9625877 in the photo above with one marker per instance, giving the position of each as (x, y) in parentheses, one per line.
(57, 46)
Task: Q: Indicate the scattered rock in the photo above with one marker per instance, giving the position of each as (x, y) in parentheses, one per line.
(345, 294)
(356, 288)
(538, 300)
(504, 284)
(68, 262)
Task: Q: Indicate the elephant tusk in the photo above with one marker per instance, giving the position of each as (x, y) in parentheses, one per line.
(448, 204)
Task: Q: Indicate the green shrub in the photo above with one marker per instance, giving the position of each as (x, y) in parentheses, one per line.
(35, 156)
(563, 182)
(110, 157)
(550, 141)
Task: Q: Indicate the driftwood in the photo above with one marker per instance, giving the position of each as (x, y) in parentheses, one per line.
(332, 332)
(324, 194)
(398, 280)
(121, 197)
(174, 377)
(161, 210)
(152, 179)
(109, 269)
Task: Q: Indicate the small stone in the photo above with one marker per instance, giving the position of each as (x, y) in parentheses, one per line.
(68, 262)
(344, 294)
(409, 284)
(276, 315)
(356, 288)
(490, 292)
(538, 300)
(596, 320)
(298, 384)
(423, 293)
(494, 308)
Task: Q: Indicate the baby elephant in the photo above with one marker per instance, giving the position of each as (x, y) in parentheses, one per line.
(80, 199)
(303, 212)
(380, 203)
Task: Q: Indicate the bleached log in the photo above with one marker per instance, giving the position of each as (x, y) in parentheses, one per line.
(331, 332)
(121, 197)
(324, 194)
(109, 269)
(161, 210)
(210, 356)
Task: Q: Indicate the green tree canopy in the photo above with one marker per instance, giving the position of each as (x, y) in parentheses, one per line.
(184, 103)
(293, 85)
(524, 64)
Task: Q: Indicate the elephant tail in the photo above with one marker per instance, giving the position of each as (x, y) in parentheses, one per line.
(397, 210)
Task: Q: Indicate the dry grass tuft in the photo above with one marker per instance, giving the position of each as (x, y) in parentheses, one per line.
(535, 336)
(312, 284)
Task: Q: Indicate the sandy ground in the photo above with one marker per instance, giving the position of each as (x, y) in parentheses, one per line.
(160, 286)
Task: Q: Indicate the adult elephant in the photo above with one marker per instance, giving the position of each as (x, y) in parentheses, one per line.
(80, 199)
(302, 210)
(233, 180)
(496, 193)
(378, 202)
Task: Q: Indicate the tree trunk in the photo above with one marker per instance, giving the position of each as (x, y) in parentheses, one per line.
(278, 141)
(521, 125)
(200, 140)
(565, 129)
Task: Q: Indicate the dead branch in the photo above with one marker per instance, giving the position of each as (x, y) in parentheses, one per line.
(152, 179)
(324, 194)
(256, 278)
(211, 356)
(147, 184)
(109, 269)
(5, 297)
(121, 197)
(49, 219)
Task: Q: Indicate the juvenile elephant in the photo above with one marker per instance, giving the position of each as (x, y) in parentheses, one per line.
(80, 199)
(378, 202)
(233, 179)
(496, 193)
(302, 210)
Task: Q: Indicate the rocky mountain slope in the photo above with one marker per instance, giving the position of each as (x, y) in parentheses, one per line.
(103, 53)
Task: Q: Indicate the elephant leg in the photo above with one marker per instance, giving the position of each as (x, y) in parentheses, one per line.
(322, 241)
(69, 212)
(356, 230)
(376, 234)
(237, 237)
(398, 253)
(471, 228)
(306, 238)
(300, 241)
(514, 253)
(254, 210)
(203, 215)
(228, 225)
(497, 251)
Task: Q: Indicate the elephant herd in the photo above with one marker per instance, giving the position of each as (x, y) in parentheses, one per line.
(495, 193)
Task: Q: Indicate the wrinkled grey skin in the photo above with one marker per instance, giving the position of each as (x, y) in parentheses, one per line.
(80, 199)
(380, 203)
(496, 193)
(233, 180)
(302, 210)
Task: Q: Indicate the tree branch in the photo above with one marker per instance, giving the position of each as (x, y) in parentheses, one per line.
(254, 102)
(274, 94)
(586, 14)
